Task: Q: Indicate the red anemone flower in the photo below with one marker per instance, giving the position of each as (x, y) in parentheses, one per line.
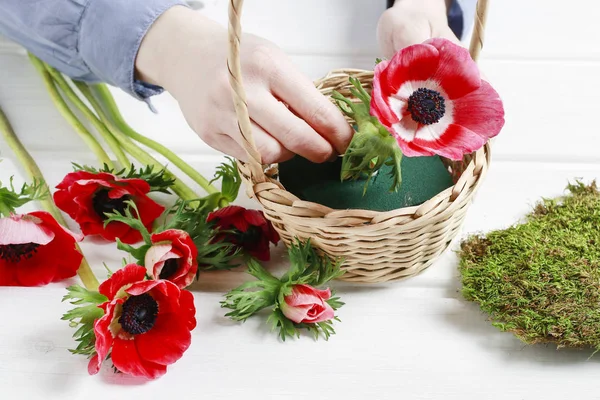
(431, 97)
(249, 229)
(36, 250)
(172, 256)
(146, 325)
(87, 196)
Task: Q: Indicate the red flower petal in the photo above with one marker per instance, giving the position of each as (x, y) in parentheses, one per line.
(126, 359)
(457, 73)
(188, 309)
(261, 251)
(76, 194)
(413, 63)
(128, 275)
(73, 177)
(305, 294)
(225, 212)
(481, 111)
(149, 210)
(324, 313)
(255, 217)
(142, 287)
(379, 102)
(173, 243)
(296, 314)
(122, 231)
(240, 223)
(104, 338)
(21, 229)
(454, 143)
(271, 234)
(166, 342)
(53, 261)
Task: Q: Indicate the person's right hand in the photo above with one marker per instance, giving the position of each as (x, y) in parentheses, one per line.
(187, 54)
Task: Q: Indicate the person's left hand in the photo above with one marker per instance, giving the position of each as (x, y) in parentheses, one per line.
(411, 22)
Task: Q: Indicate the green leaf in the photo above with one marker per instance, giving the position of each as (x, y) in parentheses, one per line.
(284, 326)
(372, 146)
(158, 181)
(251, 297)
(190, 216)
(230, 179)
(11, 199)
(138, 253)
(83, 317)
(129, 219)
(309, 267)
(335, 302)
(306, 267)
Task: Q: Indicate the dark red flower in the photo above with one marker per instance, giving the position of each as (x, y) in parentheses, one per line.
(146, 325)
(249, 229)
(36, 250)
(86, 196)
(172, 256)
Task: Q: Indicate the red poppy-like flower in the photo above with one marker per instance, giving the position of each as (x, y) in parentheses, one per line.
(431, 97)
(87, 196)
(250, 230)
(172, 256)
(308, 305)
(146, 325)
(36, 250)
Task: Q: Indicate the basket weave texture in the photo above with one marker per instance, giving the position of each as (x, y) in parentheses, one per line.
(376, 246)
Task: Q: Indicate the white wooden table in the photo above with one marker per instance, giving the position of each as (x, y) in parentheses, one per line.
(412, 340)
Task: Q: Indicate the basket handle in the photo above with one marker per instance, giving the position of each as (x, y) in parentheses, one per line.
(254, 161)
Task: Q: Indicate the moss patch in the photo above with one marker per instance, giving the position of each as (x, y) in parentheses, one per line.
(541, 279)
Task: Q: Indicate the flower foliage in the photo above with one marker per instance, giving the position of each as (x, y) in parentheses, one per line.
(307, 268)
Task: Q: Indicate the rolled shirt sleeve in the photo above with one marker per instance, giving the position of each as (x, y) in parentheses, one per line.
(88, 40)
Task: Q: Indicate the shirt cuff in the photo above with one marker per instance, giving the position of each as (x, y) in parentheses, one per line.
(110, 36)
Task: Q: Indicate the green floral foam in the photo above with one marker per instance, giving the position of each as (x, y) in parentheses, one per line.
(422, 178)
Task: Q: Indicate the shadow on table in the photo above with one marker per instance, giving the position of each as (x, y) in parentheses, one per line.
(474, 324)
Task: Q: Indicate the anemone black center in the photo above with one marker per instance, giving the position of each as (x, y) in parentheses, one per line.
(103, 204)
(169, 268)
(426, 106)
(252, 235)
(13, 253)
(139, 314)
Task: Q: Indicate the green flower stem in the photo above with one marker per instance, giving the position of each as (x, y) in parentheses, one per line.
(114, 114)
(66, 112)
(98, 125)
(180, 188)
(85, 272)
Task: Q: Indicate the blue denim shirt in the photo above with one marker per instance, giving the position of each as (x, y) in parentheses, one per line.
(89, 40)
(98, 40)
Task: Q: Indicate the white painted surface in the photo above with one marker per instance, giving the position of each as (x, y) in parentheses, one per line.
(412, 340)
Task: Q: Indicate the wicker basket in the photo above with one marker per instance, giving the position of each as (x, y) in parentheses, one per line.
(376, 246)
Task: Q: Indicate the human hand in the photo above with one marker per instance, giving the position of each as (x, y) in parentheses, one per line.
(411, 22)
(186, 53)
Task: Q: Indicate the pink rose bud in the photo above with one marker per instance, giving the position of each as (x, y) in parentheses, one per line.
(307, 305)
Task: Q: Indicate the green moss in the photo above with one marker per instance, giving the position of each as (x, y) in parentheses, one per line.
(541, 279)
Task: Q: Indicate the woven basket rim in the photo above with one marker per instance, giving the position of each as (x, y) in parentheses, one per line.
(408, 210)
